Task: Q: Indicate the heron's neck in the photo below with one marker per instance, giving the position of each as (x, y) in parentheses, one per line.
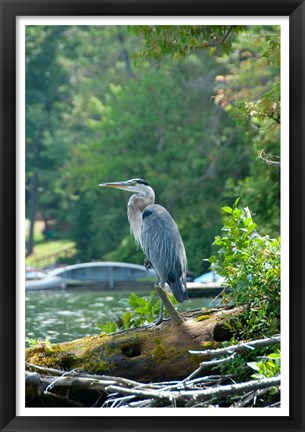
(136, 206)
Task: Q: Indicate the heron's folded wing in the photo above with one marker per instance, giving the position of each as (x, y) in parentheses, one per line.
(162, 243)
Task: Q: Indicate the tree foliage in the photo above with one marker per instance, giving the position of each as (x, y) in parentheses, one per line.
(180, 41)
(251, 266)
(47, 102)
(188, 108)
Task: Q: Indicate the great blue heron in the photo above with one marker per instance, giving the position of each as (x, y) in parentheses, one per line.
(156, 232)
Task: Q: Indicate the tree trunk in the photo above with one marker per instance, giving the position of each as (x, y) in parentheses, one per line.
(145, 354)
(125, 56)
(33, 209)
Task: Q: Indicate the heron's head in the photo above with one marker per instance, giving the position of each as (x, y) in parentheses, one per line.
(133, 185)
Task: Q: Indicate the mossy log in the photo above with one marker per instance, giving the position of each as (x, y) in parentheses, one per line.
(145, 354)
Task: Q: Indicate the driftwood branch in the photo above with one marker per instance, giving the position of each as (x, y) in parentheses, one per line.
(232, 350)
(199, 395)
(249, 397)
(228, 390)
(172, 312)
(240, 348)
(270, 159)
(170, 394)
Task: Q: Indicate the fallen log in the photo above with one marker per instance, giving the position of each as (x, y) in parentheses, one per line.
(144, 354)
(116, 392)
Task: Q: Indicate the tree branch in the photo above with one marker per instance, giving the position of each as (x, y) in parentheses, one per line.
(263, 156)
(220, 42)
(175, 316)
(232, 350)
(228, 390)
(200, 395)
(240, 348)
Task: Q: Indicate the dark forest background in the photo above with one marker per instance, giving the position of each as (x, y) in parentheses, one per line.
(193, 110)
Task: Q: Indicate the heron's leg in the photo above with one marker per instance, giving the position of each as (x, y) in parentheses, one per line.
(147, 264)
(160, 319)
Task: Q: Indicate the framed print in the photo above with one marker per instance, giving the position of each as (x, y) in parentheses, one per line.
(197, 110)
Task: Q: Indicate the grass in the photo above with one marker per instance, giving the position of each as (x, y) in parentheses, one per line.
(38, 228)
(44, 248)
(50, 247)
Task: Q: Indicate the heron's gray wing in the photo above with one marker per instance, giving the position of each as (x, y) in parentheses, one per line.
(163, 247)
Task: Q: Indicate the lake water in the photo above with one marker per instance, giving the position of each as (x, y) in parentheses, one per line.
(66, 315)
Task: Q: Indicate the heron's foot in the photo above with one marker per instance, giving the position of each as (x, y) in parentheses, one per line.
(158, 321)
(147, 264)
(154, 323)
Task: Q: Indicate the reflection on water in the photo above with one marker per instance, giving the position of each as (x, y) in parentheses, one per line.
(72, 314)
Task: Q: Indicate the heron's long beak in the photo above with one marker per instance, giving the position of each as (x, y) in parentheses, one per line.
(118, 185)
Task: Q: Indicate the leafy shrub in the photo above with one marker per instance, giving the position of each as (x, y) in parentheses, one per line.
(263, 360)
(144, 311)
(251, 266)
(108, 327)
(269, 367)
(30, 342)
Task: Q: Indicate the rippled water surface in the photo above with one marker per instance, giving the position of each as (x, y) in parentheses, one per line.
(67, 315)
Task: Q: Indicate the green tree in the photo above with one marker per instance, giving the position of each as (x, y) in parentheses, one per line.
(46, 103)
(179, 117)
(143, 133)
(249, 91)
(181, 41)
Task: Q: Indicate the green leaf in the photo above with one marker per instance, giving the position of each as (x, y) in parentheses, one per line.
(141, 310)
(126, 319)
(253, 365)
(247, 221)
(108, 327)
(237, 212)
(236, 202)
(212, 259)
(274, 355)
(227, 209)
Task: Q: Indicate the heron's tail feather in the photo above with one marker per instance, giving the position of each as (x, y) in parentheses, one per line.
(178, 288)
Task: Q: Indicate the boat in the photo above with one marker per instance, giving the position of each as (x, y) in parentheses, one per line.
(33, 274)
(108, 275)
(96, 275)
(210, 277)
(205, 285)
(203, 289)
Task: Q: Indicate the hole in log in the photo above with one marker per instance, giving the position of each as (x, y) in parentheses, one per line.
(132, 350)
(222, 333)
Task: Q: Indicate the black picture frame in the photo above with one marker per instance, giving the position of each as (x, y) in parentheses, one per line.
(10, 9)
